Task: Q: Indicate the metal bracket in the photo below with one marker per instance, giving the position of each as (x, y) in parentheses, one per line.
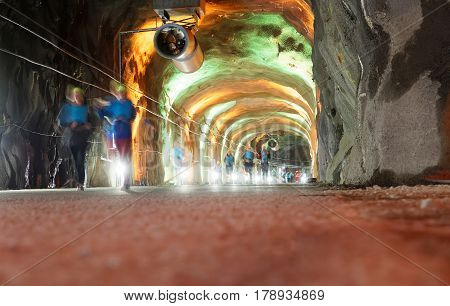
(189, 23)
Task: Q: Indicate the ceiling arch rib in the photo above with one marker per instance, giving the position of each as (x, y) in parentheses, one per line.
(271, 107)
(246, 125)
(268, 124)
(253, 134)
(205, 98)
(257, 119)
(205, 94)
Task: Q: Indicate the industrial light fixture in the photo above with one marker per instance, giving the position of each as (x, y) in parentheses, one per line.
(272, 144)
(176, 40)
(173, 41)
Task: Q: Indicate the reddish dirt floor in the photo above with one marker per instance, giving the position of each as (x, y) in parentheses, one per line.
(226, 235)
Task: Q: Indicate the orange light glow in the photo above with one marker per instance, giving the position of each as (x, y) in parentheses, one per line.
(228, 91)
(263, 95)
(141, 53)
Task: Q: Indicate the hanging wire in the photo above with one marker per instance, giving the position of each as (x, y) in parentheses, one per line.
(55, 35)
(92, 66)
(53, 69)
(33, 132)
(98, 87)
(42, 134)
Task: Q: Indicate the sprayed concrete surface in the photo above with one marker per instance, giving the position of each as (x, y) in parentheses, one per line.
(229, 235)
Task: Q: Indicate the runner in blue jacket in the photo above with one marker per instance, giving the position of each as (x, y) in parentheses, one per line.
(248, 158)
(74, 118)
(121, 113)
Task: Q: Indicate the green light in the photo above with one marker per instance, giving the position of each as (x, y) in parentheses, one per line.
(265, 46)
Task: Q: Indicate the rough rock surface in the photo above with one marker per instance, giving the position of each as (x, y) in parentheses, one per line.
(383, 71)
(31, 96)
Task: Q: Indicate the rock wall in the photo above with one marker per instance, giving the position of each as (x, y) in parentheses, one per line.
(383, 70)
(31, 96)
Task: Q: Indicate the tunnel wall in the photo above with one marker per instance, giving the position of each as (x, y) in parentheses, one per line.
(382, 68)
(31, 96)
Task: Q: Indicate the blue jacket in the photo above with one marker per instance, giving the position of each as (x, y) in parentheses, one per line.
(69, 114)
(229, 160)
(249, 155)
(121, 113)
(178, 156)
(264, 156)
(72, 113)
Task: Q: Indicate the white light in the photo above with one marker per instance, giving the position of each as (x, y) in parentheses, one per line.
(270, 179)
(184, 173)
(119, 168)
(234, 177)
(247, 178)
(117, 173)
(181, 175)
(304, 178)
(215, 176)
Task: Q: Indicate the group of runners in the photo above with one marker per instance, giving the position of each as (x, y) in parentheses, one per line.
(76, 119)
(248, 159)
(117, 112)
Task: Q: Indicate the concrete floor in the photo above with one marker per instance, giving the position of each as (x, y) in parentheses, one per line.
(227, 235)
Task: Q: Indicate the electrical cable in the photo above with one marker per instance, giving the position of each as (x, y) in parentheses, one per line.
(33, 132)
(55, 35)
(98, 87)
(90, 65)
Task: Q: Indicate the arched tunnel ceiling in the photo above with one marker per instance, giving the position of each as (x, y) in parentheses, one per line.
(267, 92)
(247, 46)
(257, 61)
(250, 107)
(264, 124)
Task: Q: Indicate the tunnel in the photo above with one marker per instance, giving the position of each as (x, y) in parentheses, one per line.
(326, 74)
(353, 95)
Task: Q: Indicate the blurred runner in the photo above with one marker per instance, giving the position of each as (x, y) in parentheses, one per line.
(74, 118)
(121, 113)
(180, 162)
(248, 158)
(229, 165)
(297, 176)
(265, 156)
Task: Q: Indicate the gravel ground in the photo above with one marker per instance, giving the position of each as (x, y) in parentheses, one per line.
(228, 235)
